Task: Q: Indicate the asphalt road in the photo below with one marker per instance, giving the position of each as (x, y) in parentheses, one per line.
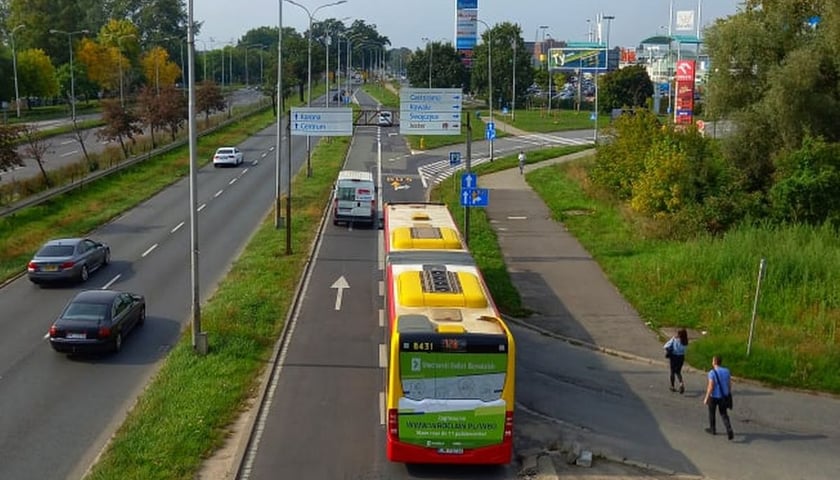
(56, 413)
(329, 386)
(65, 149)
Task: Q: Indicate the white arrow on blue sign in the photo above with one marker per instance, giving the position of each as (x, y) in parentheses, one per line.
(490, 131)
(475, 197)
(469, 180)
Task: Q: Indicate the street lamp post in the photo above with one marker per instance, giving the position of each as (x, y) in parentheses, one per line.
(429, 46)
(513, 88)
(490, 76)
(72, 75)
(14, 67)
(311, 16)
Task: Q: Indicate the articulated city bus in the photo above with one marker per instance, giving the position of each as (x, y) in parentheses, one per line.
(450, 382)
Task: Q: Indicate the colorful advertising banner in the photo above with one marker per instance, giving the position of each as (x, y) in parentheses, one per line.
(583, 59)
(466, 29)
(452, 401)
(684, 93)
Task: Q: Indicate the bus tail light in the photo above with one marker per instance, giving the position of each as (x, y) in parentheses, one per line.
(508, 425)
(393, 424)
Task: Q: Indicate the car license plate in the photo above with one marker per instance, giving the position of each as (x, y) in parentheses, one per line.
(76, 336)
(50, 268)
(451, 451)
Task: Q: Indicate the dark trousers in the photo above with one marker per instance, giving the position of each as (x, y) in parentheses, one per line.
(717, 403)
(676, 362)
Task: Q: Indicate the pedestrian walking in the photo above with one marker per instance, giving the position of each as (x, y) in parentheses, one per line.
(718, 396)
(675, 352)
(521, 162)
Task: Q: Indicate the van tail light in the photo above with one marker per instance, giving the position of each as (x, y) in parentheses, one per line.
(508, 426)
(393, 424)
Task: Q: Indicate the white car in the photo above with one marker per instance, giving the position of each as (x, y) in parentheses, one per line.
(385, 119)
(228, 156)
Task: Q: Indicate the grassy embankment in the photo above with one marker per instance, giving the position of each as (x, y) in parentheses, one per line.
(709, 284)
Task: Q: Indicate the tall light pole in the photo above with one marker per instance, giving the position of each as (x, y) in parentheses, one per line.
(311, 16)
(609, 19)
(513, 89)
(429, 47)
(14, 67)
(72, 75)
(490, 76)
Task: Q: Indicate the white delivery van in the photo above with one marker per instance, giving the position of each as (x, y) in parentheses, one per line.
(355, 198)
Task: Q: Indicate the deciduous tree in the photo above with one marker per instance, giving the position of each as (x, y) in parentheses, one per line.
(120, 124)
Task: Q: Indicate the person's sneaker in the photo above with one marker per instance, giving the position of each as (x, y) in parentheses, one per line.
(673, 389)
(709, 431)
(682, 389)
(730, 435)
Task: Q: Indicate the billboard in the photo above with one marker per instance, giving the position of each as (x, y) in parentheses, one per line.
(466, 29)
(583, 59)
(684, 93)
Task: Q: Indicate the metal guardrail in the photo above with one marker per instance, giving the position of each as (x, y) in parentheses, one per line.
(46, 195)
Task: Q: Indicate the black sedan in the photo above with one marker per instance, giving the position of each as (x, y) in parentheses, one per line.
(68, 259)
(97, 320)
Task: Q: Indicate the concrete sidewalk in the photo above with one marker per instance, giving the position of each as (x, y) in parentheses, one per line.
(570, 297)
(556, 277)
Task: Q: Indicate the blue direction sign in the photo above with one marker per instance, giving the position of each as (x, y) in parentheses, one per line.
(430, 111)
(475, 197)
(469, 180)
(454, 159)
(490, 131)
(322, 122)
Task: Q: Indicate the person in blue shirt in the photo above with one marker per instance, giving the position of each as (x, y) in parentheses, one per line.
(675, 351)
(719, 386)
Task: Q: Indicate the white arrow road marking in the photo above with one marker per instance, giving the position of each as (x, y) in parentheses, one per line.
(339, 284)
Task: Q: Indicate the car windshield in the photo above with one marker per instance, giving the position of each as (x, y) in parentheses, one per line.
(56, 251)
(85, 311)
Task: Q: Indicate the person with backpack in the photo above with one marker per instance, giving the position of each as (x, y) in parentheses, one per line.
(675, 352)
(719, 396)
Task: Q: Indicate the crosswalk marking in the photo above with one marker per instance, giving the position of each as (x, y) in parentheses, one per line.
(435, 172)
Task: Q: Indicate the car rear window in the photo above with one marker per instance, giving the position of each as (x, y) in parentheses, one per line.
(56, 251)
(86, 311)
(224, 151)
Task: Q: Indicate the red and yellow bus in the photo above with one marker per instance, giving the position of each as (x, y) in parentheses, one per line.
(450, 382)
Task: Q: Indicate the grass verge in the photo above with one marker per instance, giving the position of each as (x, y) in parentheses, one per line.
(540, 120)
(484, 244)
(182, 416)
(708, 284)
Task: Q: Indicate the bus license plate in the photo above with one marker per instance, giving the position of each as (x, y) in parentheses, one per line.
(451, 451)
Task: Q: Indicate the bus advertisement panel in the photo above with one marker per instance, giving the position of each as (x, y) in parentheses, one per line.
(452, 387)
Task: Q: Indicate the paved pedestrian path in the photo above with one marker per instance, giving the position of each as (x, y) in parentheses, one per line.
(556, 276)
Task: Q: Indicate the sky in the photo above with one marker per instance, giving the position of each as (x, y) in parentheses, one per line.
(406, 22)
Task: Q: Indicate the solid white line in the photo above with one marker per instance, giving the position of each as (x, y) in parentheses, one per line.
(382, 408)
(383, 356)
(201, 207)
(218, 193)
(177, 227)
(69, 153)
(380, 250)
(232, 181)
(149, 250)
(381, 317)
(113, 280)
(275, 379)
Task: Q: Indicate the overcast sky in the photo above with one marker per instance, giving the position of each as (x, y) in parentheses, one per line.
(406, 22)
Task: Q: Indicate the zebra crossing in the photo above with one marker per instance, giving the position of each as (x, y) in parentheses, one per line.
(435, 172)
